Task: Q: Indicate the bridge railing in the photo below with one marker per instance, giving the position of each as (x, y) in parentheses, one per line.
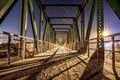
(12, 50)
(111, 47)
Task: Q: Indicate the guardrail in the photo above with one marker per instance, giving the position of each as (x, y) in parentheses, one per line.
(111, 47)
(10, 47)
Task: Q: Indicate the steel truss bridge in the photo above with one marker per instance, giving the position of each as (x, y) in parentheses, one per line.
(40, 58)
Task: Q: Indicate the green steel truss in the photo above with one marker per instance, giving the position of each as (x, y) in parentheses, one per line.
(74, 34)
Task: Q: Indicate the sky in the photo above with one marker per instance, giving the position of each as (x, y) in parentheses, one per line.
(12, 20)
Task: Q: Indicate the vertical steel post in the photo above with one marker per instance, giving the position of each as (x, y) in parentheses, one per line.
(23, 25)
(8, 54)
(82, 25)
(45, 30)
(113, 52)
(88, 48)
(40, 30)
(51, 33)
(72, 33)
(76, 29)
(100, 30)
(67, 38)
(40, 23)
(54, 36)
(89, 26)
(33, 22)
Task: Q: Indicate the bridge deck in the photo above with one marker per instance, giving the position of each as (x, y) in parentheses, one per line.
(60, 63)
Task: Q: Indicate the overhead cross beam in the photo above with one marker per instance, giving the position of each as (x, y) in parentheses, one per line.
(61, 17)
(61, 32)
(85, 2)
(62, 24)
(62, 28)
(71, 5)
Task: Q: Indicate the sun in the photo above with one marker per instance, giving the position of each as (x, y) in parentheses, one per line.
(105, 33)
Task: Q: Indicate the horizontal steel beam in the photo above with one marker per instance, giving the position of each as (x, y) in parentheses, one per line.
(61, 17)
(61, 31)
(71, 5)
(62, 28)
(61, 24)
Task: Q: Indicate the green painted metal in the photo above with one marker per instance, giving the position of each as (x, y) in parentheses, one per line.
(5, 7)
(82, 25)
(89, 26)
(53, 36)
(69, 33)
(72, 34)
(48, 33)
(62, 24)
(23, 24)
(61, 17)
(33, 22)
(24, 17)
(45, 30)
(115, 5)
(38, 2)
(62, 28)
(76, 30)
(84, 4)
(51, 32)
(40, 24)
(68, 38)
(100, 30)
(71, 5)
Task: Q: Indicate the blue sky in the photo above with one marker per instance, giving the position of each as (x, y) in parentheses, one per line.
(12, 21)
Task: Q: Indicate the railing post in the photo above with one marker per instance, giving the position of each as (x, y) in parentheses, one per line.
(113, 52)
(88, 49)
(8, 54)
(23, 48)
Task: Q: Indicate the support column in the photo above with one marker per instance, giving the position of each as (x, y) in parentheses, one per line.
(76, 29)
(72, 33)
(82, 25)
(33, 22)
(45, 30)
(23, 26)
(89, 26)
(100, 30)
(40, 23)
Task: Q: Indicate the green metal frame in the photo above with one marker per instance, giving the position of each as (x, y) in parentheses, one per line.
(89, 26)
(33, 22)
(115, 5)
(5, 9)
(82, 25)
(23, 24)
(77, 35)
(100, 30)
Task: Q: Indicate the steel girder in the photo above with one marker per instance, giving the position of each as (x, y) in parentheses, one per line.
(82, 25)
(115, 5)
(45, 30)
(77, 35)
(89, 26)
(33, 22)
(5, 8)
(100, 30)
(73, 5)
(23, 25)
(40, 24)
(82, 7)
(38, 2)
